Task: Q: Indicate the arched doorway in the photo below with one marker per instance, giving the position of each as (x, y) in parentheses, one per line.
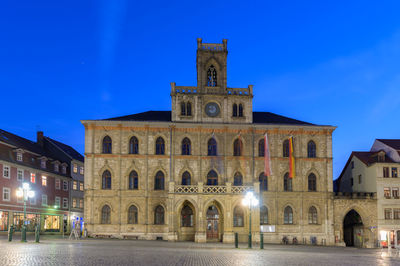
(353, 229)
(187, 222)
(213, 229)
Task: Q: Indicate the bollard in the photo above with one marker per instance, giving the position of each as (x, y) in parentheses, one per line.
(261, 241)
(236, 240)
(23, 233)
(37, 234)
(10, 233)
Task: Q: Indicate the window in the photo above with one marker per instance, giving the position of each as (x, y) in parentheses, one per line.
(64, 169)
(75, 168)
(43, 163)
(234, 110)
(385, 171)
(81, 203)
(56, 167)
(159, 215)
(395, 192)
(106, 215)
(57, 202)
(6, 171)
(381, 157)
(263, 215)
(212, 178)
(240, 110)
(312, 215)
(311, 149)
(6, 194)
(238, 179)
(81, 186)
(3, 221)
(263, 182)
(20, 175)
(288, 215)
(394, 172)
(386, 192)
(106, 180)
(188, 109)
(237, 147)
(388, 214)
(186, 179)
(183, 108)
(44, 181)
(160, 146)
(287, 182)
(74, 203)
(75, 185)
(187, 216)
(107, 145)
(261, 148)
(19, 156)
(312, 182)
(134, 145)
(159, 181)
(32, 201)
(81, 170)
(58, 183)
(186, 145)
(396, 216)
(212, 147)
(132, 215)
(238, 220)
(133, 180)
(33, 178)
(359, 179)
(65, 185)
(65, 203)
(285, 148)
(211, 77)
(44, 200)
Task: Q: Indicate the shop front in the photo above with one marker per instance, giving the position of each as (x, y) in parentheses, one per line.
(32, 219)
(51, 223)
(3, 221)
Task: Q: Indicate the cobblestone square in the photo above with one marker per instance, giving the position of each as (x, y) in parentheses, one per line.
(57, 251)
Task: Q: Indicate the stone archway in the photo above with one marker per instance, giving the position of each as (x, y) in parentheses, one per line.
(353, 229)
(214, 222)
(187, 222)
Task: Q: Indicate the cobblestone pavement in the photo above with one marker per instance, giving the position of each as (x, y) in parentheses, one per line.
(57, 251)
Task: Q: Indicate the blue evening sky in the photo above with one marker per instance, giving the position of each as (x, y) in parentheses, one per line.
(325, 62)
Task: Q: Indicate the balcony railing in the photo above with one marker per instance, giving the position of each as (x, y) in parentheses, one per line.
(204, 189)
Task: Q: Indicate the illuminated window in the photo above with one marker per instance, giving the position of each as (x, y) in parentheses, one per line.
(81, 186)
(75, 185)
(33, 178)
(74, 203)
(58, 183)
(19, 156)
(6, 171)
(81, 171)
(75, 168)
(388, 214)
(394, 172)
(81, 203)
(44, 180)
(395, 192)
(57, 202)
(20, 175)
(386, 192)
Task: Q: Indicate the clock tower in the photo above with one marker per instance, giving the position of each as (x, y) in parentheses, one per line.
(211, 100)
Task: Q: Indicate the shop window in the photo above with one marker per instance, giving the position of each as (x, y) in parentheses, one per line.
(31, 221)
(3, 221)
(52, 223)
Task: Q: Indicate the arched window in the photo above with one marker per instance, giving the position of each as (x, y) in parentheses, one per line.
(237, 147)
(212, 147)
(107, 145)
(211, 77)
(134, 146)
(106, 180)
(286, 148)
(263, 215)
(186, 178)
(287, 183)
(312, 182)
(188, 109)
(160, 146)
(187, 216)
(238, 179)
(133, 180)
(183, 108)
(263, 182)
(238, 220)
(106, 214)
(234, 110)
(312, 215)
(159, 181)
(288, 215)
(240, 110)
(212, 178)
(159, 215)
(186, 145)
(261, 148)
(133, 215)
(311, 149)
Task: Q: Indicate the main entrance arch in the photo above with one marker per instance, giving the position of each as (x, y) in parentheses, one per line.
(214, 223)
(353, 229)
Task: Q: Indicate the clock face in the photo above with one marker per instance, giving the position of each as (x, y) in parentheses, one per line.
(212, 109)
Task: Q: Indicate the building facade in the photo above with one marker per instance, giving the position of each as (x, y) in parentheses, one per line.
(377, 171)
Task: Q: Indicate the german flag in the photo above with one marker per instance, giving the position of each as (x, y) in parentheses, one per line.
(292, 169)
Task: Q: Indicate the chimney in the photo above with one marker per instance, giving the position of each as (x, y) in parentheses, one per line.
(39, 138)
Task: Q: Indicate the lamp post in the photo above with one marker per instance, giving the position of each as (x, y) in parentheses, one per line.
(249, 200)
(26, 193)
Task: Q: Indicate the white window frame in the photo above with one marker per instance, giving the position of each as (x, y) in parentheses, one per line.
(81, 171)
(8, 171)
(44, 181)
(65, 203)
(19, 157)
(22, 176)
(65, 185)
(43, 200)
(58, 180)
(7, 190)
(81, 187)
(75, 185)
(75, 167)
(57, 202)
(31, 178)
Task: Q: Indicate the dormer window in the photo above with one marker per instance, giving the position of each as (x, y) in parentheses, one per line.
(43, 163)
(381, 157)
(19, 156)
(211, 77)
(56, 167)
(64, 169)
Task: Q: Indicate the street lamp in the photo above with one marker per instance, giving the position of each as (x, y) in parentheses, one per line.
(26, 193)
(249, 200)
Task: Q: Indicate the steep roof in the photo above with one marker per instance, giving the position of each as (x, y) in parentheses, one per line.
(368, 157)
(394, 143)
(22, 143)
(165, 116)
(71, 152)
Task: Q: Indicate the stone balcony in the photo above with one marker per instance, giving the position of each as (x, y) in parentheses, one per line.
(204, 189)
(355, 195)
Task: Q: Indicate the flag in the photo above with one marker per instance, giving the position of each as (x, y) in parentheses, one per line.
(267, 157)
(292, 169)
